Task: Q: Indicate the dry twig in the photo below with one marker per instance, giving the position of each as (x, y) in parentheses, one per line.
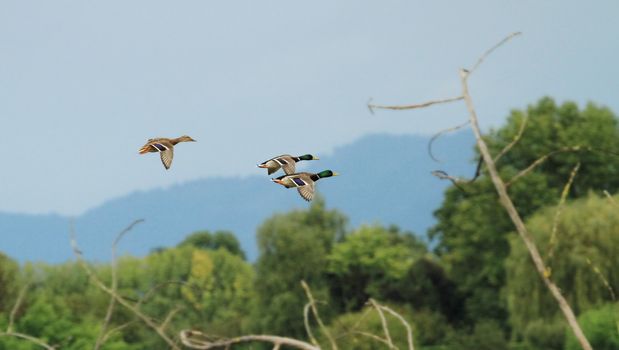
(438, 134)
(95, 279)
(9, 329)
(372, 107)
(201, 341)
(110, 309)
(312, 303)
(383, 321)
(555, 224)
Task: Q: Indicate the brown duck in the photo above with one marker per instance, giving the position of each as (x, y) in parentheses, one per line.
(165, 147)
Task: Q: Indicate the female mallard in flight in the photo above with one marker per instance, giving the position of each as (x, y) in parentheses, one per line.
(303, 182)
(165, 147)
(285, 161)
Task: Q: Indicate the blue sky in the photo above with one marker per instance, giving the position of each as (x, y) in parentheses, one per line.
(84, 84)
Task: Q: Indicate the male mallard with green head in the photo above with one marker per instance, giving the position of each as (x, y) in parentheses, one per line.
(303, 182)
(285, 161)
(165, 147)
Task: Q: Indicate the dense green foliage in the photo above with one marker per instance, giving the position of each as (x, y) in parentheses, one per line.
(475, 289)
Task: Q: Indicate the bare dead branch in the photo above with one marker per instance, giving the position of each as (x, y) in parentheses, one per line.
(409, 330)
(438, 134)
(312, 303)
(9, 329)
(110, 308)
(308, 328)
(95, 279)
(542, 159)
(373, 336)
(610, 198)
(517, 138)
(383, 322)
(111, 331)
(444, 176)
(555, 225)
(481, 59)
(513, 213)
(16, 306)
(415, 106)
(29, 338)
(201, 341)
(169, 317)
(603, 279)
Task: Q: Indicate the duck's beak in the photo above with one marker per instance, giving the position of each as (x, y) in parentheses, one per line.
(143, 150)
(261, 165)
(278, 181)
(315, 158)
(336, 174)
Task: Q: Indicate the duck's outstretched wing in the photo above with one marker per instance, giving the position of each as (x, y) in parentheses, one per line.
(166, 157)
(307, 191)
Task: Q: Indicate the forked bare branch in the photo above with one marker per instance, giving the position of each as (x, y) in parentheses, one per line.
(312, 303)
(506, 201)
(383, 321)
(515, 216)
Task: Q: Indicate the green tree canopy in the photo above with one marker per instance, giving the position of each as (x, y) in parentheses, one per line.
(368, 262)
(213, 241)
(293, 247)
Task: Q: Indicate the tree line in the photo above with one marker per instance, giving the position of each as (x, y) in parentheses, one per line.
(468, 284)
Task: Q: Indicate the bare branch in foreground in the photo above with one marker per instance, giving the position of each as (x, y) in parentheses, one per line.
(507, 203)
(384, 323)
(312, 303)
(95, 279)
(555, 225)
(110, 309)
(372, 107)
(541, 160)
(603, 279)
(9, 329)
(454, 180)
(517, 138)
(481, 59)
(438, 134)
(610, 198)
(201, 341)
(409, 331)
(516, 219)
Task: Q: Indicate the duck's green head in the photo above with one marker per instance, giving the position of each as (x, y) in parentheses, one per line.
(308, 157)
(327, 173)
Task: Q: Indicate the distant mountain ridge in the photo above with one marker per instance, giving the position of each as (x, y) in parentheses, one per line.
(385, 178)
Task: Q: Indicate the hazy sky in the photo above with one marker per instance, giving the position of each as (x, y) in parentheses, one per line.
(83, 84)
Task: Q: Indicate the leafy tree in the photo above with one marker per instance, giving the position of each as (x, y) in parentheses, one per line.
(472, 229)
(293, 247)
(586, 254)
(601, 326)
(219, 290)
(369, 262)
(214, 241)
